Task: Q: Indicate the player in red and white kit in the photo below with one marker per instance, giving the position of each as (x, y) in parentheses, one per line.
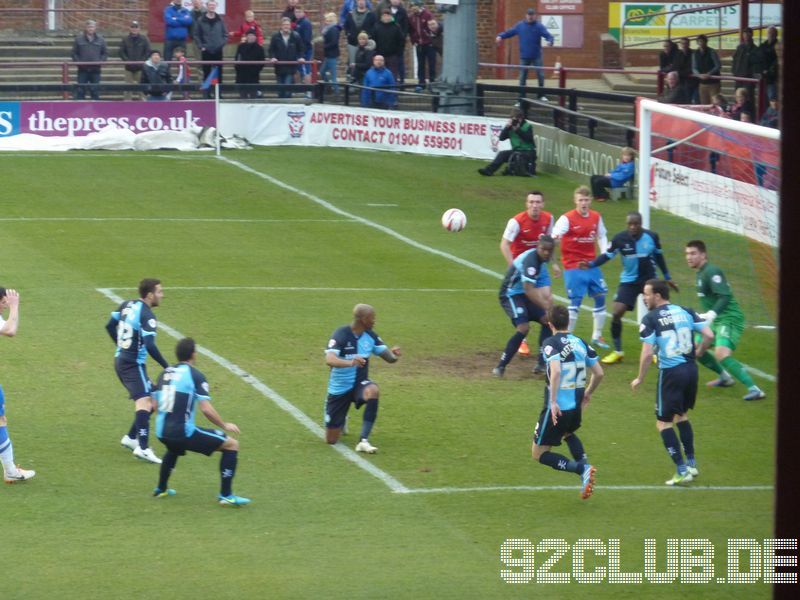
(522, 233)
(579, 231)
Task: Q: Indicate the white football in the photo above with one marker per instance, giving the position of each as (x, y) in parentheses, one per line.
(454, 220)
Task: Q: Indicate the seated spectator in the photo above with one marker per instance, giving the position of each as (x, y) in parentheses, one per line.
(720, 105)
(250, 22)
(674, 92)
(363, 58)
(248, 75)
(771, 117)
(519, 132)
(617, 178)
(742, 104)
(378, 78)
(157, 78)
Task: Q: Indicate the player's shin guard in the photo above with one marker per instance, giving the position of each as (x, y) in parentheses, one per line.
(672, 445)
(575, 447)
(616, 333)
(227, 469)
(511, 349)
(7, 452)
(735, 368)
(370, 414)
(598, 316)
(559, 462)
(687, 439)
(709, 361)
(142, 423)
(167, 464)
(574, 307)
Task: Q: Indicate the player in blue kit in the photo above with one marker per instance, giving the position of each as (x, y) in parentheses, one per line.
(568, 357)
(348, 354)
(525, 296)
(640, 251)
(669, 329)
(180, 391)
(133, 328)
(8, 327)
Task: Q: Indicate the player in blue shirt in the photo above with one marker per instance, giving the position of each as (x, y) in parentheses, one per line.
(640, 251)
(568, 357)
(348, 354)
(133, 328)
(525, 296)
(180, 391)
(8, 327)
(668, 330)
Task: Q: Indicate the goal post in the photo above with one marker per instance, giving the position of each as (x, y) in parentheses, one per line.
(702, 176)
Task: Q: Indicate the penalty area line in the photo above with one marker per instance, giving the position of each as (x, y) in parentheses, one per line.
(612, 488)
(411, 242)
(281, 402)
(260, 288)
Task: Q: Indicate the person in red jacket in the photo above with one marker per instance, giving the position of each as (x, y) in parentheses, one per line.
(249, 23)
(421, 38)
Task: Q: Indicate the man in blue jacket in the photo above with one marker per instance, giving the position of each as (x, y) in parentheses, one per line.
(177, 23)
(378, 77)
(530, 33)
(617, 178)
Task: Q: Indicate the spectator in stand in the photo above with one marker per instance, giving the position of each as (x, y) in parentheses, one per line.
(330, 37)
(530, 33)
(683, 65)
(420, 34)
(134, 48)
(359, 19)
(177, 24)
(211, 36)
(363, 58)
(746, 61)
(772, 116)
(666, 58)
(389, 42)
(617, 178)
(720, 105)
(303, 28)
(198, 10)
(769, 62)
(248, 75)
(380, 80)
(289, 12)
(184, 74)
(156, 76)
(705, 64)
(674, 92)
(437, 36)
(89, 46)
(400, 15)
(349, 6)
(285, 46)
(742, 105)
(249, 23)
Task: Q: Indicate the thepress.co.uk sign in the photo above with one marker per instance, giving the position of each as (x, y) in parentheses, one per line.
(66, 119)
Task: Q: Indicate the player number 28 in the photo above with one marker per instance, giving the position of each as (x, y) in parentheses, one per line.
(678, 342)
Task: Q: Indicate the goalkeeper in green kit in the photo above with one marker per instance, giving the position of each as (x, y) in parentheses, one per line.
(724, 317)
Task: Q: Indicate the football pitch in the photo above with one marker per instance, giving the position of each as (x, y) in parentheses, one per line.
(262, 255)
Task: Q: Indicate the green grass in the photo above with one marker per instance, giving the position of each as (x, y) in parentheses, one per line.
(86, 527)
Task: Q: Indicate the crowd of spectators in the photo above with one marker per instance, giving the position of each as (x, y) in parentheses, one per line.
(371, 32)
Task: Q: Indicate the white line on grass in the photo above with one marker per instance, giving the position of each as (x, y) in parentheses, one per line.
(413, 243)
(230, 288)
(614, 488)
(173, 219)
(282, 403)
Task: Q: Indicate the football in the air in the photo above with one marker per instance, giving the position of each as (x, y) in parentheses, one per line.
(454, 220)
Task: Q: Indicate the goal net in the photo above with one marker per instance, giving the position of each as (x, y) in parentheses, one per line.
(711, 178)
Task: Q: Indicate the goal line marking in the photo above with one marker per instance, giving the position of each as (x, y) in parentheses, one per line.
(411, 242)
(281, 402)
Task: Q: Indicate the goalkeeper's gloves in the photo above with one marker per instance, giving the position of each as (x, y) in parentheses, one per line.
(708, 317)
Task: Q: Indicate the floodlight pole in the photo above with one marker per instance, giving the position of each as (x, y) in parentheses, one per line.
(456, 86)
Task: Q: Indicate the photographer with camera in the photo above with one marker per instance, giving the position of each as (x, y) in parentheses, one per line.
(521, 158)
